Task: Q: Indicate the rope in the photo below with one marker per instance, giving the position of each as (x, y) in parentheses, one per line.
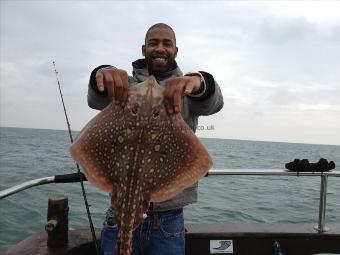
(78, 168)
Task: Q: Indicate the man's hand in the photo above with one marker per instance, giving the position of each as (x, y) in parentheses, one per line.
(176, 88)
(115, 81)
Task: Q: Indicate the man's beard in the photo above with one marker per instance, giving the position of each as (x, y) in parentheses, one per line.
(157, 70)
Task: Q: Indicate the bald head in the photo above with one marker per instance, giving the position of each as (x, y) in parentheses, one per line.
(160, 25)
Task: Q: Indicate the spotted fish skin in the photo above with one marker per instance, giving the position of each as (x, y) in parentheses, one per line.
(139, 153)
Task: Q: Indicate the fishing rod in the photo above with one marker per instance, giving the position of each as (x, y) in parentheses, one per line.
(78, 168)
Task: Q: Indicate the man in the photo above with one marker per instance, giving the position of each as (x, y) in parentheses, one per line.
(193, 95)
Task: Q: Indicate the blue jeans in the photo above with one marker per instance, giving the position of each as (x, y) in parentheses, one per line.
(160, 233)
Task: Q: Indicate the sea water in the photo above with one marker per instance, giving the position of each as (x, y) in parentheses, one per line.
(27, 154)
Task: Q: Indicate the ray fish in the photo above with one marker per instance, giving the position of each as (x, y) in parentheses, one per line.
(140, 154)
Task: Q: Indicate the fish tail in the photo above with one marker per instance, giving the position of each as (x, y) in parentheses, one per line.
(124, 244)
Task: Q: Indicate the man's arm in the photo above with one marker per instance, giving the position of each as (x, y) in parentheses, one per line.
(210, 102)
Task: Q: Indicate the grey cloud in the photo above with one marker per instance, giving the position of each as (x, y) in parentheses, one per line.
(298, 49)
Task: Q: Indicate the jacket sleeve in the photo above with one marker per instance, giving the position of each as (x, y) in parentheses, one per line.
(210, 102)
(96, 99)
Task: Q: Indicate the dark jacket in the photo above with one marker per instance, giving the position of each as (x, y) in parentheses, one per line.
(207, 103)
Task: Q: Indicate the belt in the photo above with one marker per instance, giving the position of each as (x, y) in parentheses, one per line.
(151, 207)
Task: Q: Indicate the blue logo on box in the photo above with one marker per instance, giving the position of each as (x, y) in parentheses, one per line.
(223, 245)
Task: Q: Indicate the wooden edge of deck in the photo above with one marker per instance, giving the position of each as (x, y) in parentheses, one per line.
(252, 238)
(237, 229)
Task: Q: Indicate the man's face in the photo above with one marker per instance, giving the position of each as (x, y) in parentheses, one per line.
(160, 50)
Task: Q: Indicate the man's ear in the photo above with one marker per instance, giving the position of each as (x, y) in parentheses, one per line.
(176, 52)
(143, 50)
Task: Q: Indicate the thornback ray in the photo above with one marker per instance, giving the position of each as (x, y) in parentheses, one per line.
(140, 154)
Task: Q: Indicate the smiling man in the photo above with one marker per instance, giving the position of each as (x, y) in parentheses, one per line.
(157, 59)
(193, 94)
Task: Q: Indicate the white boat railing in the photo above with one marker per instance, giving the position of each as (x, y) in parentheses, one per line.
(26, 185)
(269, 172)
(250, 172)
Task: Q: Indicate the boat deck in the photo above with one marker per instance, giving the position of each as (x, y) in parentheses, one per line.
(247, 239)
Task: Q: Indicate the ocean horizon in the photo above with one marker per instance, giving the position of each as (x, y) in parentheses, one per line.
(217, 138)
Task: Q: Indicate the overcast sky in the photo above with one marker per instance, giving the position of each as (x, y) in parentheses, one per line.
(277, 63)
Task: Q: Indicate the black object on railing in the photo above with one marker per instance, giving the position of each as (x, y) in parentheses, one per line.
(68, 178)
(304, 166)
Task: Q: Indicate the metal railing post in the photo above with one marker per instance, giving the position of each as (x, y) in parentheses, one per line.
(322, 207)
